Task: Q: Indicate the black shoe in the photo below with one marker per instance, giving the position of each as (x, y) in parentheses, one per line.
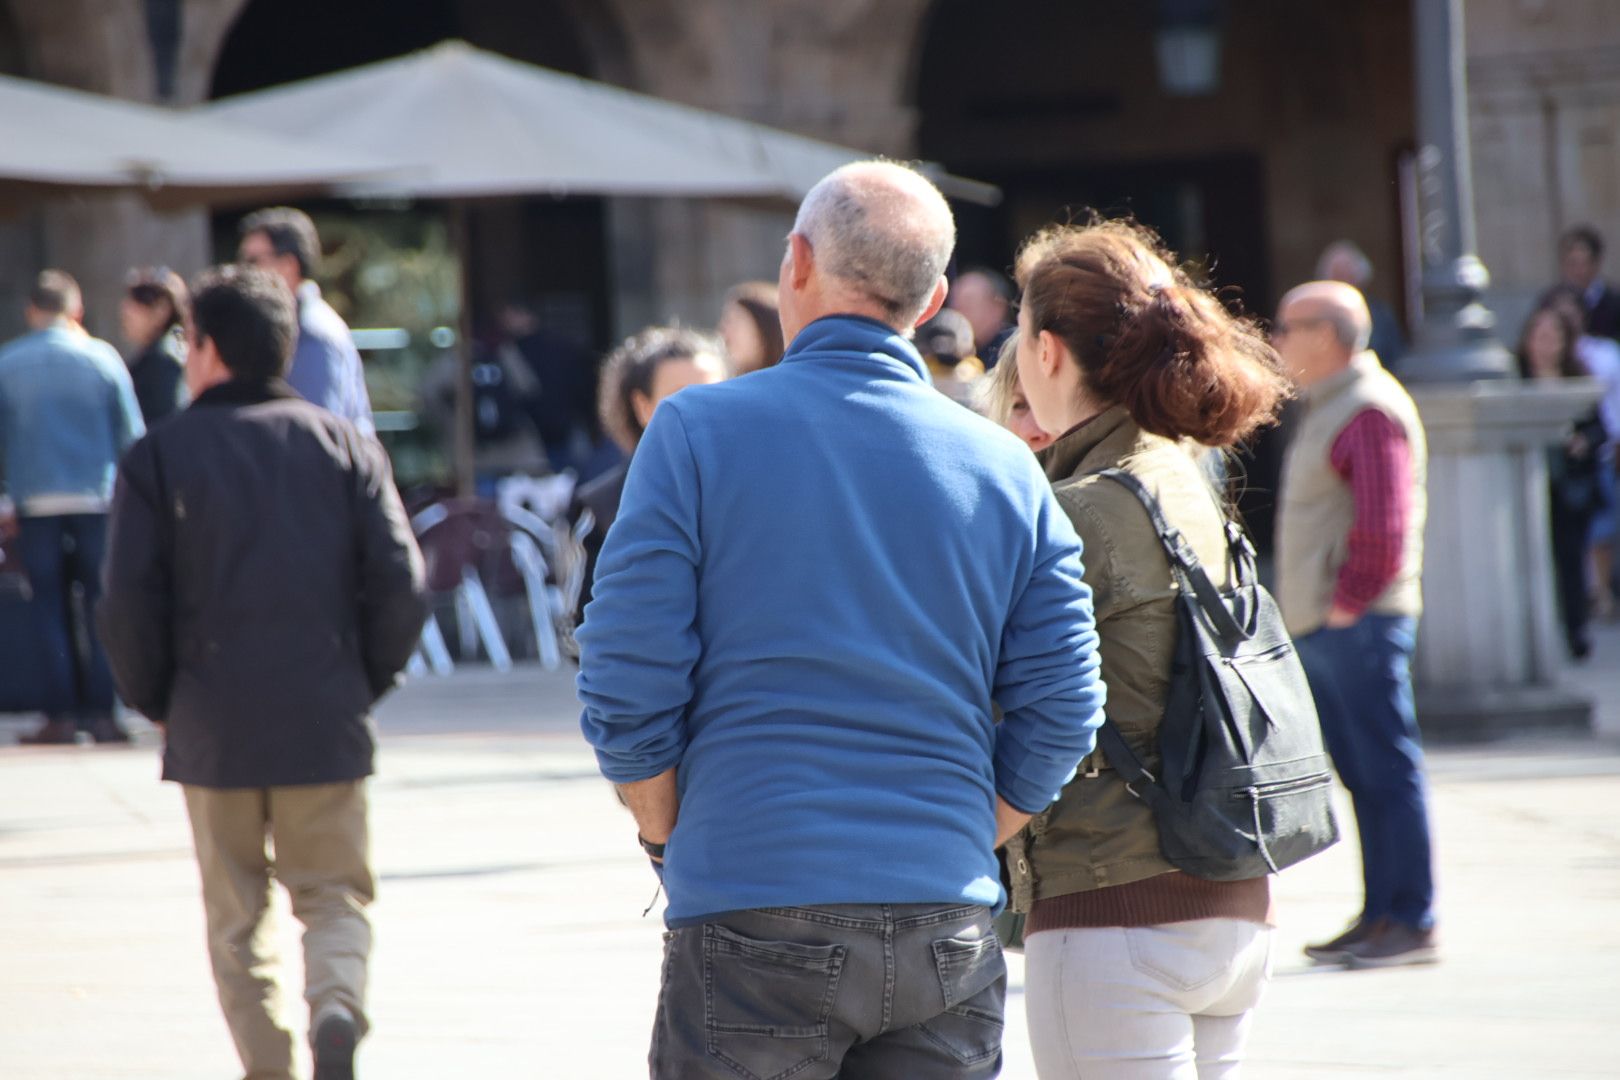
(1337, 950)
(1394, 945)
(105, 729)
(335, 1040)
(52, 733)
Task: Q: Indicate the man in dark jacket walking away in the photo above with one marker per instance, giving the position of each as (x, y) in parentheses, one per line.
(262, 592)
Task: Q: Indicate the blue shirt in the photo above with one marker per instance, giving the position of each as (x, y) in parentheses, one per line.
(67, 414)
(821, 576)
(326, 366)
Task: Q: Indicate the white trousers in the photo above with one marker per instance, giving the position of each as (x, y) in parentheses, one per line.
(1169, 1002)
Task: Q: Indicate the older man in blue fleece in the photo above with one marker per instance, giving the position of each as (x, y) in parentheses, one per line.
(821, 577)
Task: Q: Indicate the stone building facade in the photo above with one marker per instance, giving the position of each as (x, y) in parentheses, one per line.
(1298, 141)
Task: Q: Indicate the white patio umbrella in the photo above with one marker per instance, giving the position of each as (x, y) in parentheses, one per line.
(55, 140)
(460, 122)
(456, 123)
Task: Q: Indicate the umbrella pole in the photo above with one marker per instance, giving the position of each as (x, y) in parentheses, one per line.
(463, 449)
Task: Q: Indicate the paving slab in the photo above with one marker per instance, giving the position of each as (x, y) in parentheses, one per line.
(510, 939)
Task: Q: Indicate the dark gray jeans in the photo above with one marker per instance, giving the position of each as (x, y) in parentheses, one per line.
(846, 992)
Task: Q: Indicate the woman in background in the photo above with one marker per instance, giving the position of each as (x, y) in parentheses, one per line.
(649, 367)
(1002, 399)
(153, 319)
(1575, 494)
(750, 327)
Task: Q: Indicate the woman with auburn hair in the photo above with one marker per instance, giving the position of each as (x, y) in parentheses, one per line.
(1134, 969)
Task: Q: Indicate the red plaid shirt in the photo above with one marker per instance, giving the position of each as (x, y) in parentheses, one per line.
(1372, 455)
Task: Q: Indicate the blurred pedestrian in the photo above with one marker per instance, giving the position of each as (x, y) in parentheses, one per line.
(797, 712)
(946, 345)
(263, 591)
(1350, 563)
(67, 414)
(638, 375)
(1575, 492)
(1600, 356)
(1344, 261)
(326, 366)
(153, 320)
(560, 397)
(505, 399)
(1580, 266)
(750, 327)
(985, 297)
(1134, 968)
(1005, 402)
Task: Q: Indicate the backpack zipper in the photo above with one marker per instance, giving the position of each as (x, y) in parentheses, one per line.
(1284, 787)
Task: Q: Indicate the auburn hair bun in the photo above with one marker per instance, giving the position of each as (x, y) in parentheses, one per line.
(1148, 338)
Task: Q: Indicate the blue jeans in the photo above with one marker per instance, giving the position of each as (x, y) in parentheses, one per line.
(845, 992)
(58, 552)
(1362, 680)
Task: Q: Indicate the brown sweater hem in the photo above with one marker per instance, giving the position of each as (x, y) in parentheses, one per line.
(1166, 898)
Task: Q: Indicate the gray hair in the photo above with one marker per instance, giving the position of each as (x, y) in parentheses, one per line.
(1354, 334)
(1358, 268)
(882, 230)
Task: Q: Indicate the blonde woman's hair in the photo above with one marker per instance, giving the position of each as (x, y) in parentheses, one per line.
(996, 390)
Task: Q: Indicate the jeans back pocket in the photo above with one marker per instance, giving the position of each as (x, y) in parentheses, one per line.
(973, 979)
(767, 1003)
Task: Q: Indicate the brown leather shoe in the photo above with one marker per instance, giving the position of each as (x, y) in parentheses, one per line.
(51, 733)
(1394, 945)
(1337, 950)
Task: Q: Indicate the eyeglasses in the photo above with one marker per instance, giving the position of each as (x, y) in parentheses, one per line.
(1283, 329)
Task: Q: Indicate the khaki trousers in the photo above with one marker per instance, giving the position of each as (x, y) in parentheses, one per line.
(313, 839)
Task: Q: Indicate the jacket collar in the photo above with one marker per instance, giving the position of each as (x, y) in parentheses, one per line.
(246, 392)
(856, 334)
(1330, 387)
(1091, 446)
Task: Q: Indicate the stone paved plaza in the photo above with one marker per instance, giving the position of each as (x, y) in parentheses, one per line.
(510, 941)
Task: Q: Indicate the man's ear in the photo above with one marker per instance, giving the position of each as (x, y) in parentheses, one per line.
(942, 290)
(801, 260)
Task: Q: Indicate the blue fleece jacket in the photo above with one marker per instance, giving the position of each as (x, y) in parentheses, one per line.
(820, 578)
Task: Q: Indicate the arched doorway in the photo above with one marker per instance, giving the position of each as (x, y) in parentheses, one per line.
(1293, 143)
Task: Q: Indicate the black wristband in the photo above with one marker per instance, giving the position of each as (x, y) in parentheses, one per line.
(654, 851)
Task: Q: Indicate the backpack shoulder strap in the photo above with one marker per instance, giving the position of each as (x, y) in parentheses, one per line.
(1174, 543)
(1183, 560)
(1120, 754)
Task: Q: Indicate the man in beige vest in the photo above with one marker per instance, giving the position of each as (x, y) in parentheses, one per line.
(1350, 563)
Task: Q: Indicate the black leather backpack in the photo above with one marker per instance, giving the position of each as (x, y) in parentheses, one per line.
(1244, 786)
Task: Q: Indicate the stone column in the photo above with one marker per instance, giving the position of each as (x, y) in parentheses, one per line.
(1490, 655)
(833, 69)
(107, 48)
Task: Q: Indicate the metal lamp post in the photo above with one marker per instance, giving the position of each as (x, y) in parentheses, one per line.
(1456, 340)
(1491, 655)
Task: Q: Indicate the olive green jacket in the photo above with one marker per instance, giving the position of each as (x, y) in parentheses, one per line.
(1097, 833)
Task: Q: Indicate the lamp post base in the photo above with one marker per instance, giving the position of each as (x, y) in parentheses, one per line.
(1491, 657)
(1484, 714)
